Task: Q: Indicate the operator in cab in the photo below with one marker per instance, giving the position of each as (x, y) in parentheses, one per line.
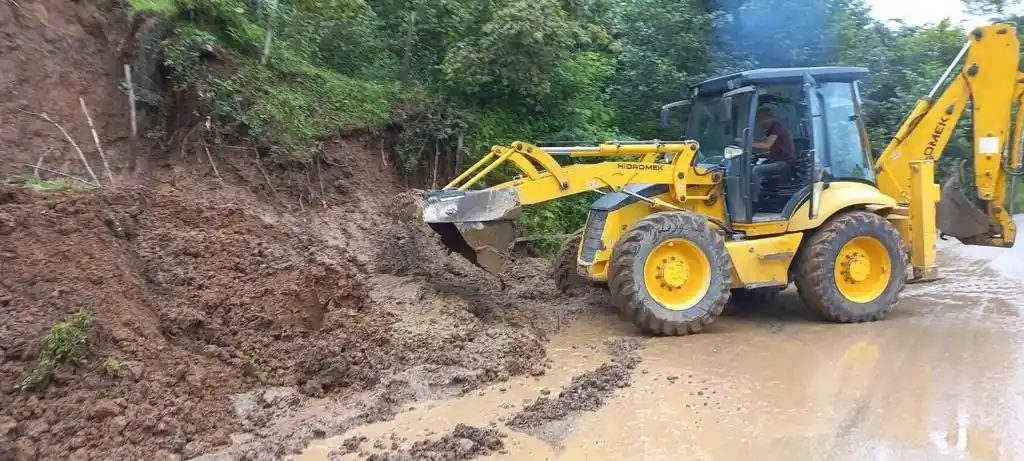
(781, 151)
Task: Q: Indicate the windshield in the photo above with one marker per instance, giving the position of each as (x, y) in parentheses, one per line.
(716, 122)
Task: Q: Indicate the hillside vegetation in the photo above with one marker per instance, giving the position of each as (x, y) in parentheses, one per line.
(443, 80)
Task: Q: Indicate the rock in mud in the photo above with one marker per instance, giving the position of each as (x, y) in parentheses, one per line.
(105, 409)
(244, 404)
(7, 224)
(135, 369)
(280, 397)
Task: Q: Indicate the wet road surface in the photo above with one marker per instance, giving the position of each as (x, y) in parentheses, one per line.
(941, 378)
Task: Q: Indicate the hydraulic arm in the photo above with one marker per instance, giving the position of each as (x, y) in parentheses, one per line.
(479, 223)
(990, 82)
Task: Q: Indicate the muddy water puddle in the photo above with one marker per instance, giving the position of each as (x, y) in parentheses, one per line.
(942, 378)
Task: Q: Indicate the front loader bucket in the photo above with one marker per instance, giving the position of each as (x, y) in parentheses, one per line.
(479, 225)
(956, 215)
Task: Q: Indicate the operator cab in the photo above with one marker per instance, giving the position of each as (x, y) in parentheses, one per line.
(819, 106)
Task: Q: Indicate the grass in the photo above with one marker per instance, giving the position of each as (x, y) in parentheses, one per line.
(287, 106)
(112, 367)
(290, 113)
(67, 344)
(55, 185)
(160, 6)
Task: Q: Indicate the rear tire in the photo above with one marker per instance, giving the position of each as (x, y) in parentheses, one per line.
(670, 274)
(852, 269)
(566, 270)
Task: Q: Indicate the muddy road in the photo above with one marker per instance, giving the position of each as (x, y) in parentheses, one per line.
(942, 378)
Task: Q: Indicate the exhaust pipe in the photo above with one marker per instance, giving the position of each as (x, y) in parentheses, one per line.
(479, 225)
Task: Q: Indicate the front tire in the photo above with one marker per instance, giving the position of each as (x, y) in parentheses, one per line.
(852, 269)
(670, 274)
(566, 270)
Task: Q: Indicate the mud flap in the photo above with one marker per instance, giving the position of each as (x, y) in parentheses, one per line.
(956, 215)
(479, 225)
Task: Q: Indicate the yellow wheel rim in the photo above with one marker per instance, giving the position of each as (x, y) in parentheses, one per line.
(677, 274)
(863, 269)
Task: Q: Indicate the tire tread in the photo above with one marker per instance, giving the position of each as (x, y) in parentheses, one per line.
(815, 282)
(630, 296)
(564, 270)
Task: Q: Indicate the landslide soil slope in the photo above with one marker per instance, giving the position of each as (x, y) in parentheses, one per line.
(53, 53)
(225, 304)
(200, 299)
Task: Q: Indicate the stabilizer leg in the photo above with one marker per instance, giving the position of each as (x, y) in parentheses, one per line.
(924, 194)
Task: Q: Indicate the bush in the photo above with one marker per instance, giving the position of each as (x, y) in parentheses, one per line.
(290, 113)
(67, 344)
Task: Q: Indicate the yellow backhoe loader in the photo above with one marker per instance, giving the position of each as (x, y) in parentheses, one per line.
(676, 232)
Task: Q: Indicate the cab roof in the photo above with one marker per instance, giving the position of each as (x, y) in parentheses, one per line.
(777, 76)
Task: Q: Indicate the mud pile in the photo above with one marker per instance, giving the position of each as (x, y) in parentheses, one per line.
(586, 392)
(200, 302)
(463, 443)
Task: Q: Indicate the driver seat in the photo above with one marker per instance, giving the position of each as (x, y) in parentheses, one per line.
(776, 191)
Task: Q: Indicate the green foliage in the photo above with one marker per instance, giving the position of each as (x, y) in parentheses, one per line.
(512, 58)
(316, 81)
(112, 368)
(67, 344)
(420, 32)
(169, 7)
(438, 125)
(990, 7)
(553, 219)
(664, 49)
(291, 112)
(54, 185)
(183, 56)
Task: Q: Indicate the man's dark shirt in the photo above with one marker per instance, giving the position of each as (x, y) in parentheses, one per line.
(783, 149)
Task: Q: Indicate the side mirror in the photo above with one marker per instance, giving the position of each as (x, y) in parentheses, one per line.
(664, 118)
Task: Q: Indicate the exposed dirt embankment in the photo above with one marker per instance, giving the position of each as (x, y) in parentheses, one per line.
(198, 300)
(53, 53)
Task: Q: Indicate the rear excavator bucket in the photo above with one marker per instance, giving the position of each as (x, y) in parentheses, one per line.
(956, 215)
(480, 225)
